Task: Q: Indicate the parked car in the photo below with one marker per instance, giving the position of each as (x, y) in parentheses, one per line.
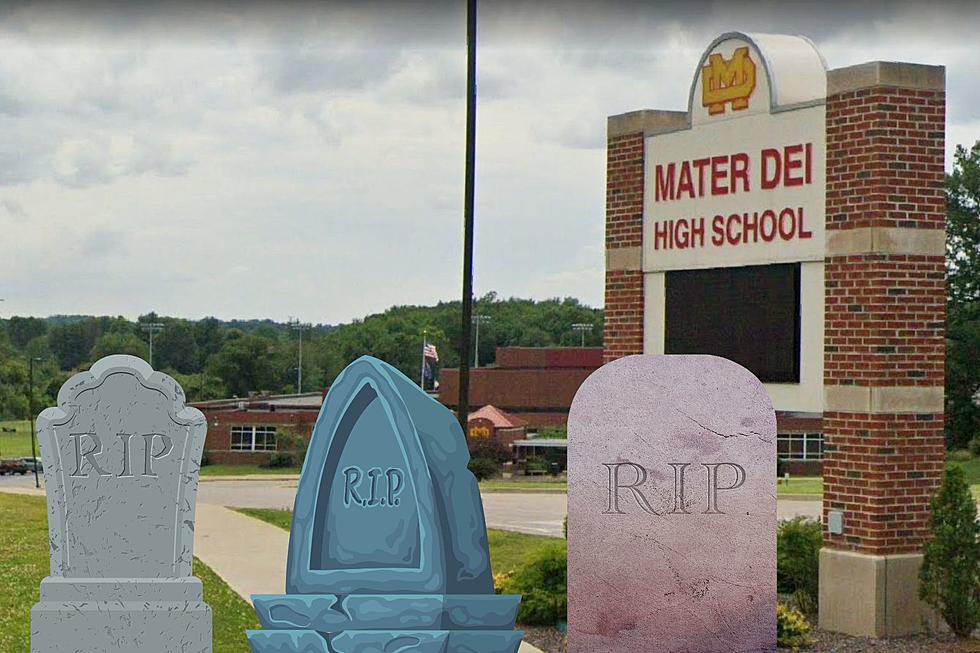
(31, 462)
(13, 467)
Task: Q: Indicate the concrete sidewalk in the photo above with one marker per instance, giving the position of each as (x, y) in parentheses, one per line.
(249, 554)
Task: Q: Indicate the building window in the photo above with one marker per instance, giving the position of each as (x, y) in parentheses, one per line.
(800, 446)
(253, 438)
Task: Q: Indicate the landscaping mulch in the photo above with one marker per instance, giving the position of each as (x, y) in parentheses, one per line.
(826, 642)
(549, 640)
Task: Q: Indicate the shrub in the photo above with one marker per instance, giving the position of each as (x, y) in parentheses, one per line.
(780, 467)
(798, 543)
(205, 459)
(792, 628)
(483, 468)
(949, 579)
(281, 459)
(291, 442)
(543, 583)
(960, 456)
(490, 449)
(974, 446)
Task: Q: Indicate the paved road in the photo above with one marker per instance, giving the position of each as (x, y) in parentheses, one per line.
(533, 513)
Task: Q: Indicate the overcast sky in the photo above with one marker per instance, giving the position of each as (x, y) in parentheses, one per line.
(253, 161)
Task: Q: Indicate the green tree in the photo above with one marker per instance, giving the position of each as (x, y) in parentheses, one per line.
(175, 348)
(963, 296)
(119, 343)
(950, 573)
(22, 330)
(71, 343)
(245, 363)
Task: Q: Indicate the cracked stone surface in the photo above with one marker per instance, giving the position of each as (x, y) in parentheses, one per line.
(121, 457)
(671, 509)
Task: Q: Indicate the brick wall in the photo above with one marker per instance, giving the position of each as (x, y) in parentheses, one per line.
(218, 440)
(623, 333)
(884, 311)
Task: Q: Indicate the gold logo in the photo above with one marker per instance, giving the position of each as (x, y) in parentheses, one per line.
(727, 80)
(479, 432)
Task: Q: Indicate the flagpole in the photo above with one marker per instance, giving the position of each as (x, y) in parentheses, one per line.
(422, 370)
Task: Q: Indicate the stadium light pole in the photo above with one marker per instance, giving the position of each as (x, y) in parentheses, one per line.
(152, 328)
(478, 320)
(463, 408)
(582, 328)
(30, 404)
(296, 325)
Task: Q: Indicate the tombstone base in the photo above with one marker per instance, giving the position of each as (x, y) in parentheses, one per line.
(372, 641)
(121, 614)
(331, 613)
(872, 595)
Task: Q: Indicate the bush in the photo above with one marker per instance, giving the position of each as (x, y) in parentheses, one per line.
(974, 446)
(960, 456)
(949, 579)
(205, 459)
(291, 442)
(483, 468)
(792, 628)
(490, 449)
(798, 543)
(281, 459)
(543, 583)
(780, 467)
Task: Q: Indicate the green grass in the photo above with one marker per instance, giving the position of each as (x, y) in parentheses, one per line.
(507, 550)
(24, 562)
(16, 445)
(520, 485)
(246, 470)
(808, 485)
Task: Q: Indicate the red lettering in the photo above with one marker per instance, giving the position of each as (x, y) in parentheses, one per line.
(684, 184)
(792, 161)
(768, 218)
(681, 233)
(660, 230)
(718, 230)
(804, 234)
(701, 164)
(787, 234)
(665, 183)
(750, 227)
(809, 164)
(719, 171)
(733, 219)
(770, 178)
(697, 232)
(740, 171)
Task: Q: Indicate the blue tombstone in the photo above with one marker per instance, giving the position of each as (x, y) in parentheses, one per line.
(388, 547)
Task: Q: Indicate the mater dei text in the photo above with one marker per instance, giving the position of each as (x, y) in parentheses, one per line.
(787, 167)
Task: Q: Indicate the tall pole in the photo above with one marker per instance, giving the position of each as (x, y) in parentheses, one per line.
(30, 403)
(463, 407)
(153, 328)
(296, 325)
(582, 328)
(478, 320)
(422, 368)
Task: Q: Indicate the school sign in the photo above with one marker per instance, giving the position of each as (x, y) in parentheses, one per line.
(792, 219)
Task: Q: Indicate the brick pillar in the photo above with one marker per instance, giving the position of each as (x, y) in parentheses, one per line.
(883, 341)
(623, 334)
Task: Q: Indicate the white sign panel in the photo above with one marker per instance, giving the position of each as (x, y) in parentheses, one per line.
(745, 184)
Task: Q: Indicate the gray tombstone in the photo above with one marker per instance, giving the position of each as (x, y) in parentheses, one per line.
(671, 509)
(388, 545)
(121, 458)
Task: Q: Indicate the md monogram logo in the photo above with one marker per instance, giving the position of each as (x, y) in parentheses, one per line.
(631, 477)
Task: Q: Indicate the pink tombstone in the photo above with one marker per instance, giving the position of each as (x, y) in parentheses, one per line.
(671, 509)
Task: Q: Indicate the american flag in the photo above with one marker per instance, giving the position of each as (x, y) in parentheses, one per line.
(429, 351)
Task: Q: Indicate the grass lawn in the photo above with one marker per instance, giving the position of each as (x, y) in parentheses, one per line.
(521, 485)
(808, 485)
(245, 470)
(24, 562)
(18, 444)
(507, 550)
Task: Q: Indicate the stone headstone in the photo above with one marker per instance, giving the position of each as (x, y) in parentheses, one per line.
(121, 455)
(388, 546)
(671, 509)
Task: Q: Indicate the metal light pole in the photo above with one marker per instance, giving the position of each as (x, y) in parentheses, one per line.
(582, 328)
(30, 403)
(296, 325)
(422, 369)
(463, 408)
(478, 320)
(152, 328)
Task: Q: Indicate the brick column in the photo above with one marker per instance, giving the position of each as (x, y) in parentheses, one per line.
(623, 333)
(884, 346)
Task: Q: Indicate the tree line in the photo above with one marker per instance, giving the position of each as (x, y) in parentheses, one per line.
(214, 359)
